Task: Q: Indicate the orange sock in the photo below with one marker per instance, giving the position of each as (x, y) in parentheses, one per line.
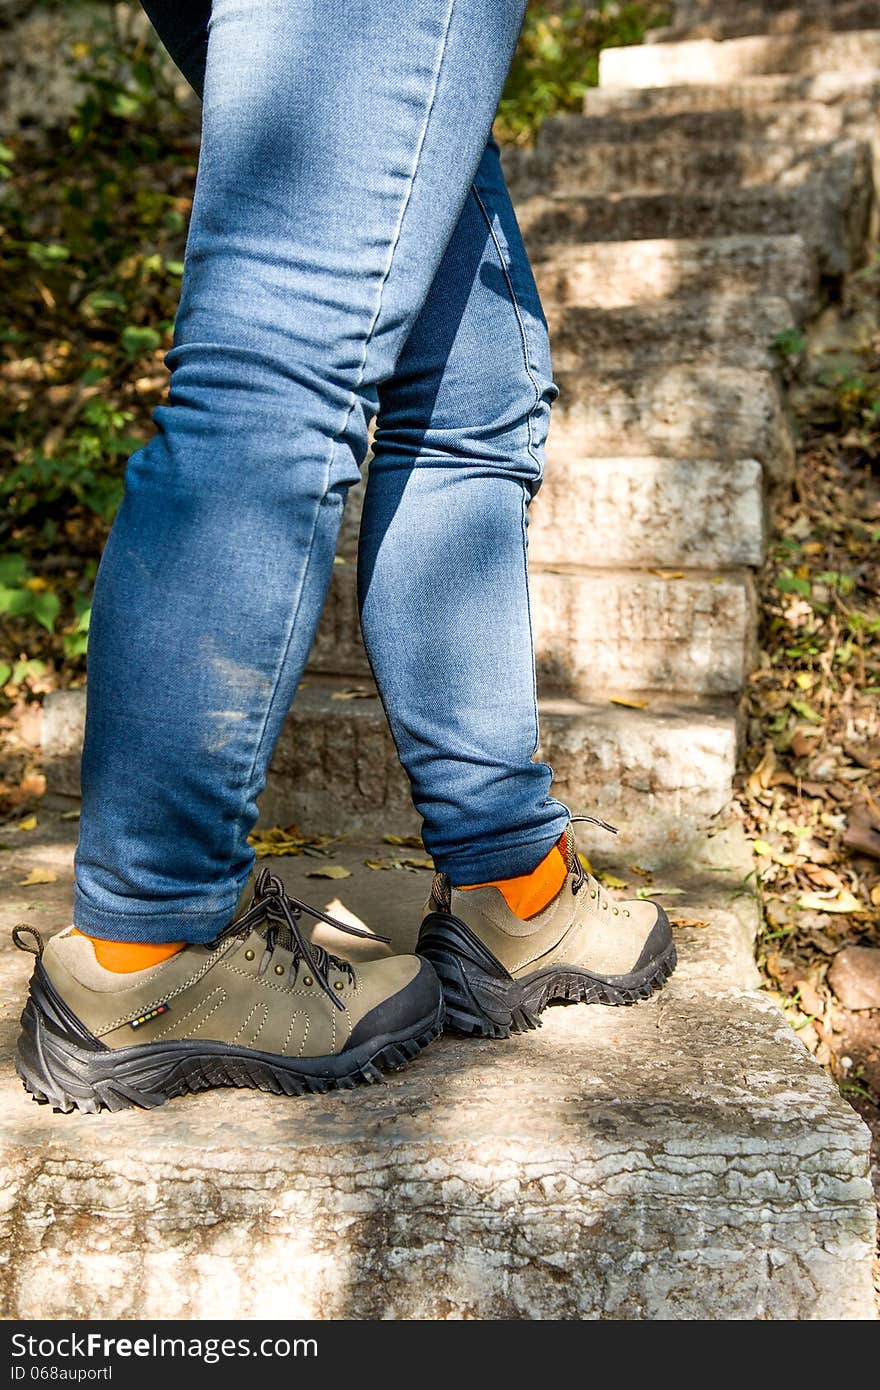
(530, 893)
(125, 956)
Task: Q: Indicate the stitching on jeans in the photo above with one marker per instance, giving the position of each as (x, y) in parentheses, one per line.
(334, 442)
(527, 363)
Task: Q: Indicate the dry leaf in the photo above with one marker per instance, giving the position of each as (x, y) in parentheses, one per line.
(29, 823)
(331, 871)
(628, 704)
(761, 778)
(612, 881)
(38, 876)
(689, 922)
(842, 901)
(377, 863)
(669, 574)
(356, 693)
(417, 863)
(69, 815)
(409, 841)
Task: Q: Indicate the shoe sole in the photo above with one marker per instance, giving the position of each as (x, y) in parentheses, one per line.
(483, 999)
(61, 1072)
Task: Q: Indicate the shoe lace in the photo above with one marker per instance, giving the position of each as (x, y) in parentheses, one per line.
(582, 877)
(276, 915)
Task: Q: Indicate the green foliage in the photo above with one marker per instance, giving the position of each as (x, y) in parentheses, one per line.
(557, 59)
(92, 234)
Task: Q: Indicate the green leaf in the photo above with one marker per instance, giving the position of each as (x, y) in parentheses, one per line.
(13, 569)
(806, 711)
(790, 584)
(100, 302)
(137, 341)
(5, 673)
(45, 608)
(48, 255)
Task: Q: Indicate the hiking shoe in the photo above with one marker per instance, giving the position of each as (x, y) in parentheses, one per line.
(259, 1006)
(499, 971)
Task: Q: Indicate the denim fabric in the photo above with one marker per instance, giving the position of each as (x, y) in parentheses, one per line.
(352, 250)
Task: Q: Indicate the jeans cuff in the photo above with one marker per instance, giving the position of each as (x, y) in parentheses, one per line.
(195, 926)
(485, 862)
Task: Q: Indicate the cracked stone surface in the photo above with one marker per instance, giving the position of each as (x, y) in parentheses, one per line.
(684, 1158)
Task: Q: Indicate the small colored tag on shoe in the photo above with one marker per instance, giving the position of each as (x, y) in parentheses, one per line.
(159, 1010)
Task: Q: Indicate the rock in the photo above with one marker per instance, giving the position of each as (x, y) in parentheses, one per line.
(704, 60)
(855, 977)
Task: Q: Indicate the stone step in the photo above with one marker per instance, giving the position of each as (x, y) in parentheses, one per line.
(605, 629)
(831, 215)
(852, 92)
(691, 11)
(565, 164)
(660, 773)
(770, 122)
(729, 21)
(706, 60)
(726, 330)
(645, 273)
(680, 411)
(649, 512)
(682, 1159)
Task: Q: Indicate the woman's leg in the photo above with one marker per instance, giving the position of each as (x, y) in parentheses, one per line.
(340, 139)
(458, 454)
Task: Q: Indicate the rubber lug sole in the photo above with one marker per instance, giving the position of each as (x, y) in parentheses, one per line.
(58, 1071)
(483, 1000)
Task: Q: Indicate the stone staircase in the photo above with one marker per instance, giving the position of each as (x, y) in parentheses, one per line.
(671, 424)
(684, 1159)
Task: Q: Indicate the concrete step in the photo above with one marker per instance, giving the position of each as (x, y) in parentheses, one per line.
(852, 92)
(705, 60)
(691, 11)
(622, 629)
(770, 122)
(644, 274)
(566, 164)
(682, 1159)
(831, 215)
(725, 330)
(726, 21)
(659, 772)
(605, 629)
(648, 512)
(679, 411)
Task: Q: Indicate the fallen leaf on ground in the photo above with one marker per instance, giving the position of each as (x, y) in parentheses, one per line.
(69, 815)
(844, 901)
(628, 704)
(410, 841)
(331, 871)
(689, 922)
(29, 823)
(612, 881)
(760, 779)
(357, 693)
(585, 863)
(38, 876)
(647, 892)
(417, 863)
(669, 574)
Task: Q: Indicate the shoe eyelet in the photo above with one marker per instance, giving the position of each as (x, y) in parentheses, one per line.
(605, 907)
(307, 980)
(279, 970)
(616, 911)
(338, 985)
(626, 912)
(249, 955)
(592, 892)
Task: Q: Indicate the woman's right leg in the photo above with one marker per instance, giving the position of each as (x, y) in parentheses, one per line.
(339, 143)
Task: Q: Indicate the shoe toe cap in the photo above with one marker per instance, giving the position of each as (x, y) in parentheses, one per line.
(412, 996)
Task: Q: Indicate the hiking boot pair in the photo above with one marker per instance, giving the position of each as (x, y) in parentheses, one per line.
(261, 1006)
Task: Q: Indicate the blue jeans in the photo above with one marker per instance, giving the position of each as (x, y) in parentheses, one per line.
(353, 252)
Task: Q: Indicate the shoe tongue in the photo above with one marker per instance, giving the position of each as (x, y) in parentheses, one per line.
(568, 848)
